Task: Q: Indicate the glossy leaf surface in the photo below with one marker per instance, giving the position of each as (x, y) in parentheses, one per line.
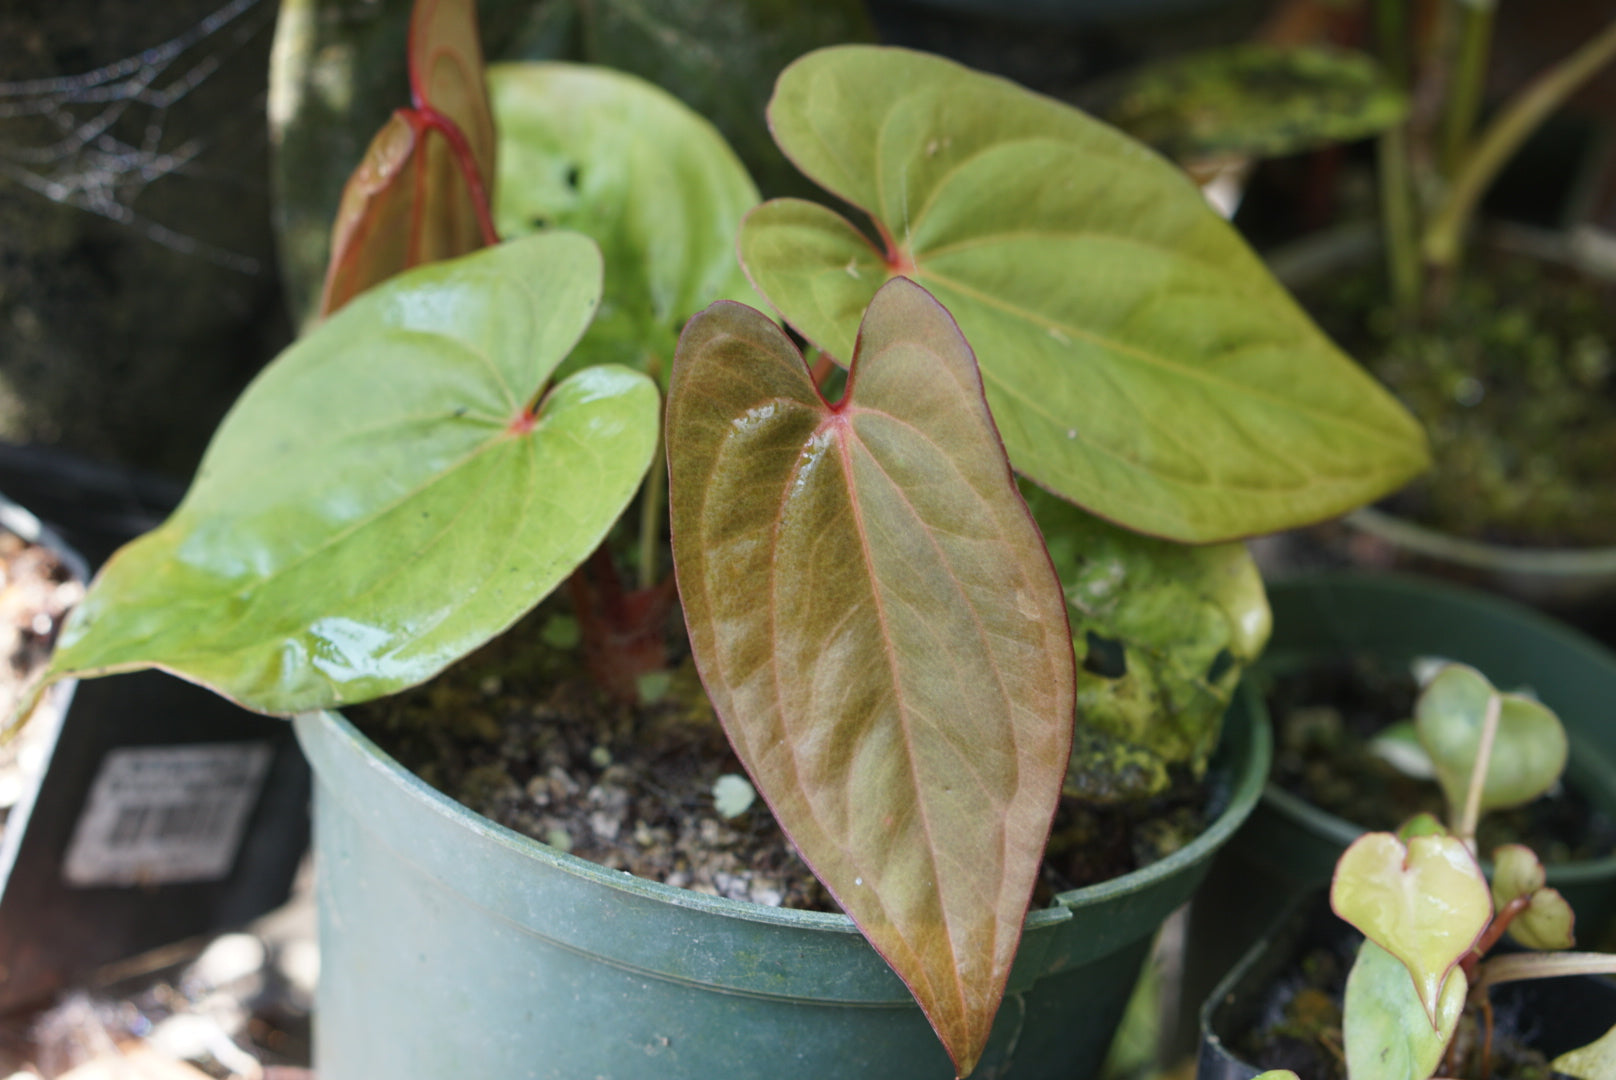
(1139, 359)
(1529, 751)
(1162, 632)
(379, 502)
(409, 202)
(1387, 1033)
(1257, 100)
(1425, 903)
(878, 624)
(1596, 1061)
(627, 164)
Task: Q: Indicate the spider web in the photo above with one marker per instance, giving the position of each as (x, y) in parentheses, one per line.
(97, 140)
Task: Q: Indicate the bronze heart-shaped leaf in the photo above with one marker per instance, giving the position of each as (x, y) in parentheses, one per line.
(881, 631)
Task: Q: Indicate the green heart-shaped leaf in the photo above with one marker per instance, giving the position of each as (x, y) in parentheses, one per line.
(1529, 750)
(878, 624)
(1388, 1034)
(1596, 1061)
(410, 200)
(1517, 872)
(653, 183)
(1139, 359)
(1425, 903)
(1257, 99)
(381, 500)
(1547, 921)
(1547, 924)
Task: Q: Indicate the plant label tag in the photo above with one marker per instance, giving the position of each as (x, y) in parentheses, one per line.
(158, 815)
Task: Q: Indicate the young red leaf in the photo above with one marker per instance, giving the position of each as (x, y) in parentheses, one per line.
(446, 73)
(879, 626)
(420, 194)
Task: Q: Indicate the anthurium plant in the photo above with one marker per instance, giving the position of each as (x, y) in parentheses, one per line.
(889, 641)
(1427, 912)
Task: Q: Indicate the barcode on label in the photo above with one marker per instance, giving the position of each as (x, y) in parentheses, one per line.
(166, 814)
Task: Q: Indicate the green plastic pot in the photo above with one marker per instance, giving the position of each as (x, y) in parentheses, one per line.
(453, 948)
(1289, 846)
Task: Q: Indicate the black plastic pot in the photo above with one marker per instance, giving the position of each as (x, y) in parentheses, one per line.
(95, 508)
(162, 811)
(1555, 1015)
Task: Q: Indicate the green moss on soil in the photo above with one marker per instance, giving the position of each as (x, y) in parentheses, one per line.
(1515, 381)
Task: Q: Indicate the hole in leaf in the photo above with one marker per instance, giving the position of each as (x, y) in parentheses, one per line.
(1106, 658)
(572, 177)
(539, 223)
(1222, 664)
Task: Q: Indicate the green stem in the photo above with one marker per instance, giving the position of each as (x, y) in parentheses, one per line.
(1469, 81)
(1391, 34)
(1396, 183)
(1397, 221)
(1465, 828)
(1518, 966)
(1504, 136)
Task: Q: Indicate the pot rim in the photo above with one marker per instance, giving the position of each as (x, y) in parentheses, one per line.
(1484, 555)
(1246, 739)
(1590, 759)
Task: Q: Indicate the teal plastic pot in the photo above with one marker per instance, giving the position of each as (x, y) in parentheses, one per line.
(1289, 846)
(455, 949)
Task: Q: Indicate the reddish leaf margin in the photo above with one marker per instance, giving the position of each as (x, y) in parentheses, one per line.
(879, 626)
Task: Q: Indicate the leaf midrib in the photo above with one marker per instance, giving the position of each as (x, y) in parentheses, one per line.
(1186, 373)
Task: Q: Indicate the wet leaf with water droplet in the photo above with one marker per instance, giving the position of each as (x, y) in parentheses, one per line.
(380, 502)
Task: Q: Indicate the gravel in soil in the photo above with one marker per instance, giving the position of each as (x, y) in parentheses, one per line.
(1326, 717)
(519, 734)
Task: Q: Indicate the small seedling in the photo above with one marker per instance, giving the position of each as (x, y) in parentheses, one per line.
(1427, 911)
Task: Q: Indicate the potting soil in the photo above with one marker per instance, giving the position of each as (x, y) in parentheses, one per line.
(518, 733)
